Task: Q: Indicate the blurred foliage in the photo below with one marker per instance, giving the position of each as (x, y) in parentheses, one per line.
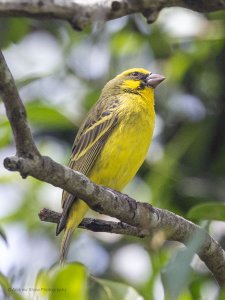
(59, 74)
(8, 290)
(176, 276)
(110, 290)
(3, 236)
(61, 283)
(208, 211)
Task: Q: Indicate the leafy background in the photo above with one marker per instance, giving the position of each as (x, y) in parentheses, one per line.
(59, 74)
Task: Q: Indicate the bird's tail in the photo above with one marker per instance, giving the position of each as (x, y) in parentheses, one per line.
(76, 214)
(65, 244)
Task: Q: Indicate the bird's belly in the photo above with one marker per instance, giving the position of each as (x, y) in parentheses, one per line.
(121, 156)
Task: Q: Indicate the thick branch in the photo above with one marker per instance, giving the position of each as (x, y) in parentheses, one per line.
(124, 208)
(80, 13)
(141, 215)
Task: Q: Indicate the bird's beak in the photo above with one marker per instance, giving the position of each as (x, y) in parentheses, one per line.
(154, 79)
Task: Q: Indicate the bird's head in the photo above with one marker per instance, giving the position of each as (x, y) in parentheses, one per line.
(133, 81)
(137, 79)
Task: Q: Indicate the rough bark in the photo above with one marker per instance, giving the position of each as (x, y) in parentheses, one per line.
(81, 13)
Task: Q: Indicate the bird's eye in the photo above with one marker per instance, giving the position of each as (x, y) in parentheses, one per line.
(135, 74)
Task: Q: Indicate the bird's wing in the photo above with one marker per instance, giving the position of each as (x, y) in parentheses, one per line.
(88, 144)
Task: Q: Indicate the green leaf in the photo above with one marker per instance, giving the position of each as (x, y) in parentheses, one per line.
(68, 282)
(208, 211)
(118, 291)
(41, 115)
(43, 283)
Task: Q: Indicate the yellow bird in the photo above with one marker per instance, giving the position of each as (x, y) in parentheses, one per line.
(112, 142)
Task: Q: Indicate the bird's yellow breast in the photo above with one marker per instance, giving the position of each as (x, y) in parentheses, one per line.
(127, 146)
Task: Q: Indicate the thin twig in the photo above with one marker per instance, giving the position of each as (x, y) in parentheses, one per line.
(96, 225)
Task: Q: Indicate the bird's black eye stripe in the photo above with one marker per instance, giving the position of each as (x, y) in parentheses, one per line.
(138, 75)
(135, 74)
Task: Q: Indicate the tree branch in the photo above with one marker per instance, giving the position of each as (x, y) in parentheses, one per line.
(95, 225)
(143, 216)
(81, 13)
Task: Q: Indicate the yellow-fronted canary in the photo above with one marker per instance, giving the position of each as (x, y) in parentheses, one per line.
(112, 142)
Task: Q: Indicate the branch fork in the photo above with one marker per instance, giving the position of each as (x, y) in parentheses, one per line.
(135, 218)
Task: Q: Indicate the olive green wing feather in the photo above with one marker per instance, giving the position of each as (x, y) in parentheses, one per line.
(89, 142)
